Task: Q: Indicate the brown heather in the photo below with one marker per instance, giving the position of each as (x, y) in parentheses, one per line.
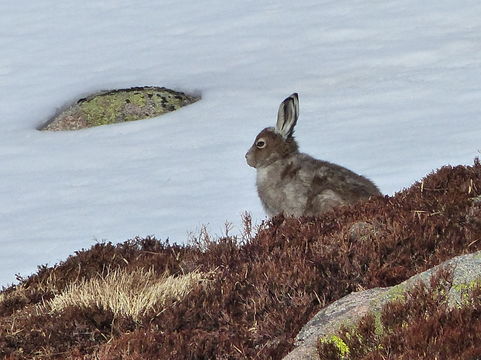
(265, 285)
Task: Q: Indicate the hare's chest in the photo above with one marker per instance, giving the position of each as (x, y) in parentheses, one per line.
(279, 193)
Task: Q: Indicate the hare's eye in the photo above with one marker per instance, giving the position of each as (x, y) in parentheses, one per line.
(261, 144)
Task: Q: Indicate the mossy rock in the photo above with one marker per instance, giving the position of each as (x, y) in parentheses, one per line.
(114, 106)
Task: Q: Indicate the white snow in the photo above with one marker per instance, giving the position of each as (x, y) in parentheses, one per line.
(390, 89)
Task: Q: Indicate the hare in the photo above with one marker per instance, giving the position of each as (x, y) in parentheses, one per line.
(295, 184)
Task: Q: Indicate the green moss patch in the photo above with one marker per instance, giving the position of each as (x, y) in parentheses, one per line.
(334, 345)
(109, 107)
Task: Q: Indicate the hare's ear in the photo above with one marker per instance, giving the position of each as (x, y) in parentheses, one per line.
(287, 116)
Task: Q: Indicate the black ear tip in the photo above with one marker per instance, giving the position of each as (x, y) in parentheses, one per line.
(293, 96)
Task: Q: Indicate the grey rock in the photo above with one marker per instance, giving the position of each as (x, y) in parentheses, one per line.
(114, 106)
(348, 309)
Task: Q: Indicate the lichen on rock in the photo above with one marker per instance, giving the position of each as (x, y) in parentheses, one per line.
(114, 106)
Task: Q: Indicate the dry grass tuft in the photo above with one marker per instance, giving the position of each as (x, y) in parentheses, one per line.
(130, 294)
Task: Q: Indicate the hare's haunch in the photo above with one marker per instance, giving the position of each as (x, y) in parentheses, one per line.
(296, 184)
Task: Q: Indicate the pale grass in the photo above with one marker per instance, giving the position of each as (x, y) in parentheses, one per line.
(131, 294)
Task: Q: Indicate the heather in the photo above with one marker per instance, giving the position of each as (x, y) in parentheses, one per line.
(251, 294)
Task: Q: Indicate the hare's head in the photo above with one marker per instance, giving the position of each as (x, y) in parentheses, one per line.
(273, 144)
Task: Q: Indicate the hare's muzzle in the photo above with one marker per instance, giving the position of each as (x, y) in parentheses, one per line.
(250, 159)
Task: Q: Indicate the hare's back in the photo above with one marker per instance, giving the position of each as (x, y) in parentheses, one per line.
(325, 177)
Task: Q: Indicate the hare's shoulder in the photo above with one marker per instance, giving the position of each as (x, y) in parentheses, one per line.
(306, 168)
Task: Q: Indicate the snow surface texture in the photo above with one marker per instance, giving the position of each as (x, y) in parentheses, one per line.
(389, 89)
